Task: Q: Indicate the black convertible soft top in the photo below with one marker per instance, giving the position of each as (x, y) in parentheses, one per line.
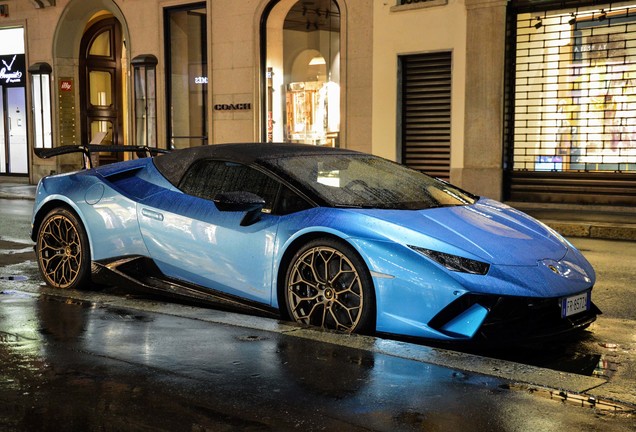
(174, 165)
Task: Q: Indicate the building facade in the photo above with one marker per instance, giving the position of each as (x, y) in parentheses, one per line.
(465, 90)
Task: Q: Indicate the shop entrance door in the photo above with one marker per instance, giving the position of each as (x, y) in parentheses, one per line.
(13, 134)
(101, 87)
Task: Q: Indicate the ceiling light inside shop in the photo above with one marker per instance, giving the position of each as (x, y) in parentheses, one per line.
(318, 60)
(572, 20)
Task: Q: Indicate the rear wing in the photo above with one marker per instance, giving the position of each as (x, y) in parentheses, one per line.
(87, 150)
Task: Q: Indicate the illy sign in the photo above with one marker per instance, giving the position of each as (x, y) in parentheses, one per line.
(66, 85)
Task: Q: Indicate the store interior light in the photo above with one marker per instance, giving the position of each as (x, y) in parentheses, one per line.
(318, 60)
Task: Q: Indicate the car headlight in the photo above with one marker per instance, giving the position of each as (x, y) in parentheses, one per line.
(454, 262)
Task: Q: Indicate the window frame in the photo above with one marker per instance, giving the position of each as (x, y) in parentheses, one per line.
(170, 136)
(273, 204)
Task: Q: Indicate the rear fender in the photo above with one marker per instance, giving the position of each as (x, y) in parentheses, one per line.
(110, 223)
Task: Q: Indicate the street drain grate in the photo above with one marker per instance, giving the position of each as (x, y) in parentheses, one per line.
(576, 399)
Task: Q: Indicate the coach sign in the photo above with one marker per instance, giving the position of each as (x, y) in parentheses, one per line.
(233, 107)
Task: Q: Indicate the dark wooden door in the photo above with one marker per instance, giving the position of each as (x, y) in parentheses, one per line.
(101, 86)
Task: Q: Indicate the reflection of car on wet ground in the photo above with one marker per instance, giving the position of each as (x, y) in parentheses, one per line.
(326, 237)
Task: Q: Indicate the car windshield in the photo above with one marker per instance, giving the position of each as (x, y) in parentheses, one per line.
(367, 181)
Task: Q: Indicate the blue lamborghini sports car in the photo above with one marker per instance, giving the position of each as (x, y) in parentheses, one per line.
(325, 237)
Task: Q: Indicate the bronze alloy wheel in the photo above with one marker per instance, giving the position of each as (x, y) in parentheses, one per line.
(329, 286)
(62, 250)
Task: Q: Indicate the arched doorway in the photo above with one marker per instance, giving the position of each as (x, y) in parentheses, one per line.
(301, 60)
(70, 92)
(100, 77)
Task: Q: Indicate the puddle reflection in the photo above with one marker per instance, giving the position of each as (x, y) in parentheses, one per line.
(571, 355)
(87, 367)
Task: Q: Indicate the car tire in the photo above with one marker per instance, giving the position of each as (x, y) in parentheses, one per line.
(62, 250)
(328, 285)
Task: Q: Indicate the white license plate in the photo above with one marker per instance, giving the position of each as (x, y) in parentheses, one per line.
(575, 304)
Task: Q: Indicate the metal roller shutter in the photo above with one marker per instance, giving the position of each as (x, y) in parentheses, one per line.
(426, 112)
(572, 107)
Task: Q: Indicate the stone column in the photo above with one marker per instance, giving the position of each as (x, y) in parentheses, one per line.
(482, 172)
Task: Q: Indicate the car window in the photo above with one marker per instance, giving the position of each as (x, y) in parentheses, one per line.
(290, 202)
(370, 182)
(207, 178)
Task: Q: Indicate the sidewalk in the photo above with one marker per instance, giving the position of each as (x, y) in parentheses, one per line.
(16, 191)
(571, 220)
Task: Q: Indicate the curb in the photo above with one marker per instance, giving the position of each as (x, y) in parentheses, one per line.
(15, 191)
(595, 230)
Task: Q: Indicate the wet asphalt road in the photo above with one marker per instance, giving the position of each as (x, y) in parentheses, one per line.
(112, 362)
(77, 366)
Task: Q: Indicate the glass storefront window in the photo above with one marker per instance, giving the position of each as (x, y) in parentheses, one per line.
(41, 104)
(186, 53)
(302, 101)
(575, 91)
(145, 81)
(14, 139)
(12, 41)
(101, 45)
(101, 132)
(101, 88)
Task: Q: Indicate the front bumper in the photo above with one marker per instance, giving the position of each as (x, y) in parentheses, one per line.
(512, 319)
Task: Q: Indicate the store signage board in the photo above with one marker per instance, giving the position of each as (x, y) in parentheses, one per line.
(66, 85)
(67, 112)
(13, 70)
(233, 107)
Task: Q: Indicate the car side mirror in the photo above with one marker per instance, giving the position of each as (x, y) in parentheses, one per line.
(247, 202)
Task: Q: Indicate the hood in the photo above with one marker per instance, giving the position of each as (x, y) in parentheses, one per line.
(488, 230)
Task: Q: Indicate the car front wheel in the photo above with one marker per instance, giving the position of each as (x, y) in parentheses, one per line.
(62, 250)
(328, 285)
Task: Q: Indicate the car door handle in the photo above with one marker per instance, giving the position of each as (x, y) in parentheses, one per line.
(152, 214)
